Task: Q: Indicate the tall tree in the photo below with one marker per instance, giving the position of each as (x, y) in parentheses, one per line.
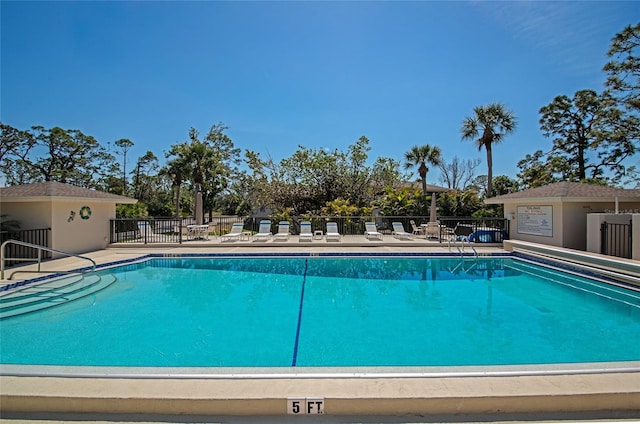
(420, 156)
(623, 81)
(589, 136)
(386, 173)
(502, 184)
(489, 125)
(207, 162)
(145, 169)
(177, 170)
(124, 144)
(55, 154)
(14, 141)
(536, 170)
(458, 174)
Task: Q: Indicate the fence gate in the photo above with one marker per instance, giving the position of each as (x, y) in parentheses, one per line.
(616, 239)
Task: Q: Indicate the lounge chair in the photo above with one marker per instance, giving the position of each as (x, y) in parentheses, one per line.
(417, 231)
(305, 231)
(332, 232)
(264, 231)
(145, 228)
(399, 232)
(371, 231)
(283, 231)
(235, 233)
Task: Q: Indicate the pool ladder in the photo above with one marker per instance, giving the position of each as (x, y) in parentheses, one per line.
(460, 246)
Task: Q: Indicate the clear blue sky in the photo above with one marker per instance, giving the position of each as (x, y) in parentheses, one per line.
(317, 74)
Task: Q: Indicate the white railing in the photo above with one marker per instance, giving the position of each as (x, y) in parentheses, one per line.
(40, 249)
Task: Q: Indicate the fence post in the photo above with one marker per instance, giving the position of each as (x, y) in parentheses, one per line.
(603, 238)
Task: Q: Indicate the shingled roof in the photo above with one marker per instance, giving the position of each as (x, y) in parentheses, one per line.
(53, 189)
(568, 191)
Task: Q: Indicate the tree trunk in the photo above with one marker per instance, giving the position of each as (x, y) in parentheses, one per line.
(423, 170)
(487, 147)
(178, 201)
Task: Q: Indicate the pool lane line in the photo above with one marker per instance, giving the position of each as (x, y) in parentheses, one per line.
(295, 346)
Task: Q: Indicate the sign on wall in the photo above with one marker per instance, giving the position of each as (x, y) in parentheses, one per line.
(535, 220)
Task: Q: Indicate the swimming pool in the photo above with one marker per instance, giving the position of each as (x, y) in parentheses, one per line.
(332, 312)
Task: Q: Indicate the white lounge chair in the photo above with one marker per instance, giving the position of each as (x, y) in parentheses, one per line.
(399, 232)
(145, 229)
(283, 231)
(235, 233)
(371, 231)
(264, 231)
(305, 231)
(332, 232)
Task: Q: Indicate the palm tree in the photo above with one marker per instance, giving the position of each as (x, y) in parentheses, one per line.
(177, 170)
(495, 122)
(420, 156)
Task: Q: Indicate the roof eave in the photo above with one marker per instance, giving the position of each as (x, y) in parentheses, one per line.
(33, 199)
(499, 201)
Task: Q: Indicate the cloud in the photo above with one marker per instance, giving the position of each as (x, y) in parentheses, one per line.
(574, 35)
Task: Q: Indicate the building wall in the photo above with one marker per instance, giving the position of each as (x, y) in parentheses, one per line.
(71, 233)
(570, 223)
(30, 215)
(574, 218)
(511, 212)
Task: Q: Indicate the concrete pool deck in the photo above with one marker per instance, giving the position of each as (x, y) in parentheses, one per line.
(596, 391)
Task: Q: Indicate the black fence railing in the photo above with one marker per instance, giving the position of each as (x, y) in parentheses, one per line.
(169, 230)
(165, 230)
(40, 236)
(616, 240)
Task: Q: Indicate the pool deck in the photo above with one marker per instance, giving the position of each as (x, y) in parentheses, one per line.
(596, 391)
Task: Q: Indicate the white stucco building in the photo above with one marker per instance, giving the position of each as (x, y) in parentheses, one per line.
(557, 214)
(78, 217)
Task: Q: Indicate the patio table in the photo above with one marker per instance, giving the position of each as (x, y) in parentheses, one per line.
(198, 231)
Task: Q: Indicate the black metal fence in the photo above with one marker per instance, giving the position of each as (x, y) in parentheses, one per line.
(40, 236)
(170, 230)
(616, 240)
(164, 230)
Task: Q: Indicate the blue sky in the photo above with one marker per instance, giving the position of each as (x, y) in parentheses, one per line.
(317, 74)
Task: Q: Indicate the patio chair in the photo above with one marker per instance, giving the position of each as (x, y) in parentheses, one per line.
(283, 231)
(264, 231)
(399, 232)
(371, 231)
(417, 231)
(332, 232)
(305, 231)
(235, 233)
(448, 233)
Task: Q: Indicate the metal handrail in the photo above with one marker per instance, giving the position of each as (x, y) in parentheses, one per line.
(462, 240)
(39, 258)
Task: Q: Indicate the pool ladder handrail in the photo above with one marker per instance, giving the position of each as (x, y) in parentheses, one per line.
(40, 249)
(462, 239)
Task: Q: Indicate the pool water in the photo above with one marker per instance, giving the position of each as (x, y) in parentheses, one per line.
(284, 312)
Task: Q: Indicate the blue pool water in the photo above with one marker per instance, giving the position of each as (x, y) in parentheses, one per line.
(285, 312)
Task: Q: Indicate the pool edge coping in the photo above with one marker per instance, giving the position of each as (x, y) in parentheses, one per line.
(595, 389)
